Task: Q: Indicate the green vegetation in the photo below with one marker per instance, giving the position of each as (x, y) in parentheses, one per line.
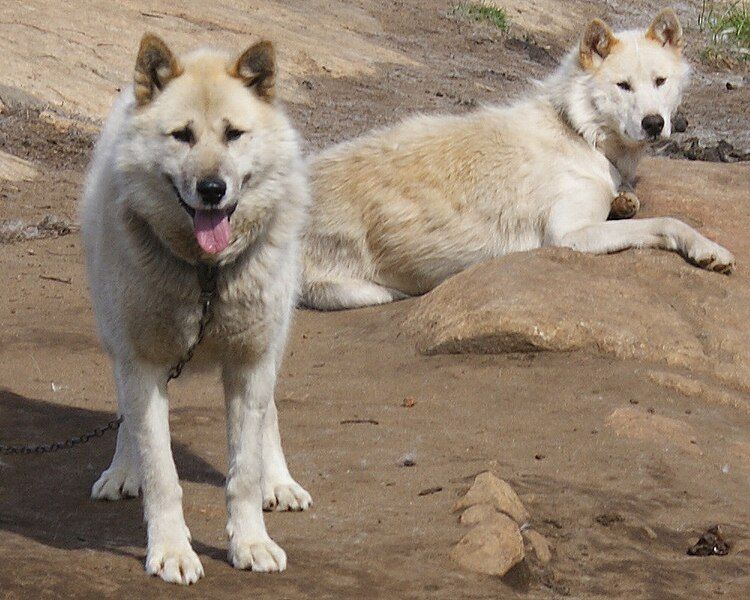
(483, 12)
(729, 26)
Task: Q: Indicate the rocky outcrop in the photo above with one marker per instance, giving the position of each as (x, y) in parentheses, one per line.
(648, 305)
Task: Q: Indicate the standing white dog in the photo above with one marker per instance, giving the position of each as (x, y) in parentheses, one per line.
(197, 165)
(399, 210)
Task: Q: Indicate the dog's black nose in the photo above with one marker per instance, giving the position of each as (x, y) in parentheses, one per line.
(212, 190)
(653, 124)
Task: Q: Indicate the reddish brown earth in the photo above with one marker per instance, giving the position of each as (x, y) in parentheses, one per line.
(623, 458)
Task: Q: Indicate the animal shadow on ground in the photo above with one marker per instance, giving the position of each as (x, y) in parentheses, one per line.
(46, 497)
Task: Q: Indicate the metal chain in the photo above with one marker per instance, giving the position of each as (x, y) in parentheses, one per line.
(207, 279)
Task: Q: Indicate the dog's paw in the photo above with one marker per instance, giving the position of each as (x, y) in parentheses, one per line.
(174, 562)
(287, 495)
(116, 483)
(259, 554)
(624, 206)
(712, 257)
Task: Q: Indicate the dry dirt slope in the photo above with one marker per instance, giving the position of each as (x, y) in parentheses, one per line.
(632, 427)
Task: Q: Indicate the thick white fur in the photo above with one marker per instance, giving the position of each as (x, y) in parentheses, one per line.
(397, 211)
(141, 254)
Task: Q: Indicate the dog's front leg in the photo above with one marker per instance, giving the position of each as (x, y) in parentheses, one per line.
(146, 412)
(249, 393)
(567, 228)
(626, 204)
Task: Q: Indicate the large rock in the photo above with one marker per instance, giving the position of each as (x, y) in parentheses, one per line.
(639, 304)
(78, 69)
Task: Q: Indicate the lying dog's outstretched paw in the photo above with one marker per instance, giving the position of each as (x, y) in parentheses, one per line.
(116, 483)
(174, 563)
(712, 257)
(261, 554)
(288, 495)
(624, 206)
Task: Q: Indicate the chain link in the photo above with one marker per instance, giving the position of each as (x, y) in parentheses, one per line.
(207, 279)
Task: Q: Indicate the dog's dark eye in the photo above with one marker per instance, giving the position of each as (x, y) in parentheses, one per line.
(184, 135)
(659, 81)
(624, 85)
(232, 134)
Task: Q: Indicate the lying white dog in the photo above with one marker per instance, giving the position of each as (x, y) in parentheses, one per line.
(397, 211)
(197, 170)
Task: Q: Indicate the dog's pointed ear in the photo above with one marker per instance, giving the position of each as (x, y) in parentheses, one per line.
(666, 29)
(596, 44)
(154, 68)
(256, 67)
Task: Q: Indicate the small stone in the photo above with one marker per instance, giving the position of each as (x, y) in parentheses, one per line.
(607, 519)
(494, 548)
(476, 514)
(407, 460)
(679, 123)
(649, 532)
(711, 543)
(489, 489)
(408, 402)
(540, 544)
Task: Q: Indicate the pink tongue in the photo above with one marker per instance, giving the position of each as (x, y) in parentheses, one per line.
(212, 230)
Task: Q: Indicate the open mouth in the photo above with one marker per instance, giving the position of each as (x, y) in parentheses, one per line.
(211, 226)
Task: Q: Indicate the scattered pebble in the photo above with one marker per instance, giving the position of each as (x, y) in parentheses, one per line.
(679, 123)
(408, 402)
(692, 149)
(540, 544)
(50, 226)
(711, 543)
(407, 460)
(607, 519)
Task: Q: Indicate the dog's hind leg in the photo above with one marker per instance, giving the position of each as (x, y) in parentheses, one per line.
(280, 491)
(123, 477)
(346, 293)
(662, 232)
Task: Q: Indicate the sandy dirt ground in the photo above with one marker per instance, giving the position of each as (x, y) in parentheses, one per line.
(620, 503)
